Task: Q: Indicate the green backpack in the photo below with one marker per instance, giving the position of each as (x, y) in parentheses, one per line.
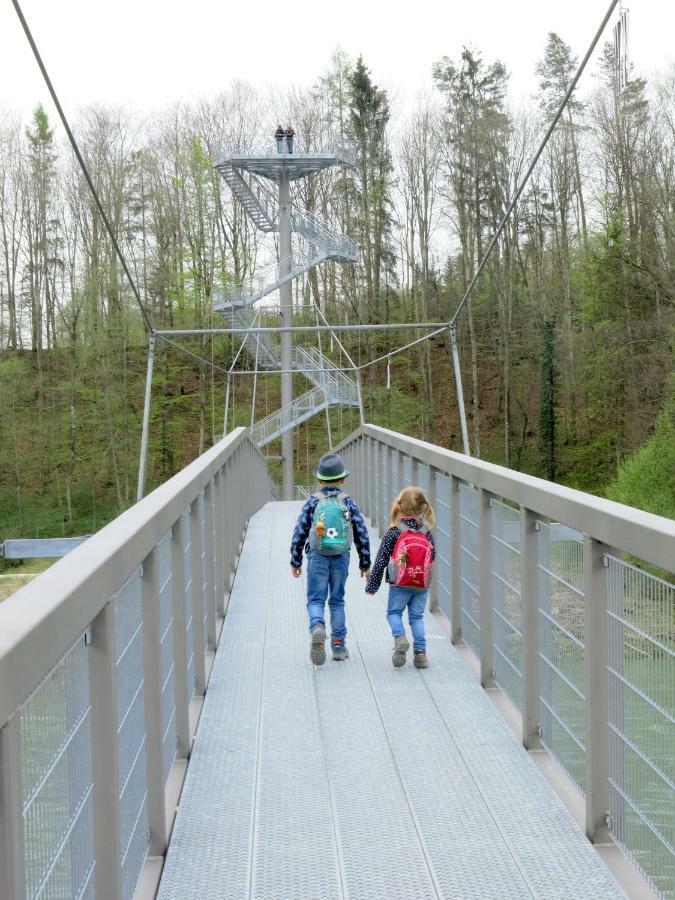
(331, 531)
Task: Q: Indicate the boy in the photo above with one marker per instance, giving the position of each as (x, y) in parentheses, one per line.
(324, 531)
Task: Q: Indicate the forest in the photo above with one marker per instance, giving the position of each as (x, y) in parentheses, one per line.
(566, 344)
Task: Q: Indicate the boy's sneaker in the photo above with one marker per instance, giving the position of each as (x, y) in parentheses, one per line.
(420, 659)
(401, 647)
(339, 649)
(317, 646)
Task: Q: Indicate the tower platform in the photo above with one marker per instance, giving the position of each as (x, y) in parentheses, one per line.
(297, 165)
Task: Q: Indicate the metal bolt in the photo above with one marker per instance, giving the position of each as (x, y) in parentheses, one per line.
(88, 637)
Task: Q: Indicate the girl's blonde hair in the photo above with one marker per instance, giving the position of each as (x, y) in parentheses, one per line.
(411, 503)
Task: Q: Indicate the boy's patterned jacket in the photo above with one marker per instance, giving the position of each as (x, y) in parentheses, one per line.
(299, 541)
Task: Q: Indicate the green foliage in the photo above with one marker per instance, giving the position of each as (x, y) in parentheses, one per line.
(647, 479)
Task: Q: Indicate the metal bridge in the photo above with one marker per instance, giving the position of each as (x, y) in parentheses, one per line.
(163, 732)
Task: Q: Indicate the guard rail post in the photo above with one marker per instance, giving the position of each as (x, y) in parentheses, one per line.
(456, 557)
(596, 682)
(369, 478)
(210, 598)
(152, 703)
(487, 661)
(384, 478)
(219, 563)
(12, 882)
(433, 591)
(529, 593)
(197, 582)
(180, 650)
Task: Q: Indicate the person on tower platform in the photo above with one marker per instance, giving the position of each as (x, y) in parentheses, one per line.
(290, 134)
(279, 135)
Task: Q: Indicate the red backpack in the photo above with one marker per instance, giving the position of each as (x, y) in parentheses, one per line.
(410, 563)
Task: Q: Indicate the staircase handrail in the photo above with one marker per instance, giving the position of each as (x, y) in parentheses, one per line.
(322, 232)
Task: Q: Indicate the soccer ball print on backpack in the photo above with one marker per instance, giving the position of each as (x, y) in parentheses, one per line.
(331, 532)
(410, 563)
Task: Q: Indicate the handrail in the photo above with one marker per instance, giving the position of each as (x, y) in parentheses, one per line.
(530, 577)
(103, 661)
(647, 536)
(40, 621)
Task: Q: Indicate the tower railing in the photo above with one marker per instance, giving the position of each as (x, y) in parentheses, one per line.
(104, 660)
(540, 582)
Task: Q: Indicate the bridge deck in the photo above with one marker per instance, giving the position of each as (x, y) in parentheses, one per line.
(356, 779)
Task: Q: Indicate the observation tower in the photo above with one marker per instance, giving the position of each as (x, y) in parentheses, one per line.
(250, 177)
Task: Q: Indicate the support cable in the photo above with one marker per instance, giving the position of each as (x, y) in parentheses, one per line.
(535, 160)
(76, 151)
(196, 356)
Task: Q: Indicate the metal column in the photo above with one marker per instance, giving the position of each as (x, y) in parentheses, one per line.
(286, 299)
(146, 419)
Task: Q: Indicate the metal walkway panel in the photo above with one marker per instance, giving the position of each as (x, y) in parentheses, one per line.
(356, 779)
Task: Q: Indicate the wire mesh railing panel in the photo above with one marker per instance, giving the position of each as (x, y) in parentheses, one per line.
(641, 665)
(187, 594)
(56, 781)
(131, 730)
(202, 567)
(469, 547)
(506, 589)
(442, 534)
(561, 647)
(168, 693)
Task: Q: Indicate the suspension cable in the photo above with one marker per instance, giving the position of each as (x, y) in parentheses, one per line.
(76, 151)
(535, 160)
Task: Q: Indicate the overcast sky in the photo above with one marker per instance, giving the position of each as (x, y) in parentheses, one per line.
(145, 53)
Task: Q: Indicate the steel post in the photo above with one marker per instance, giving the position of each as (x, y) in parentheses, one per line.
(196, 586)
(210, 592)
(433, 591)
(596, 681)
(529, 596)
(360, 395)
(219, 544)
(456, 559)
(286, 298)
(12, 860)
(146, 419)
(227, 405)
(460, 393)
(152, 704)
(180, 649)
(487, 663)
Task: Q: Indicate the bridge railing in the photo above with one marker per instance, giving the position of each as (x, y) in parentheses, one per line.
(103, 662)
(539, 581)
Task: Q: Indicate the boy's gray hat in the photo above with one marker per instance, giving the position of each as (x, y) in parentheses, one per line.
(331, 468)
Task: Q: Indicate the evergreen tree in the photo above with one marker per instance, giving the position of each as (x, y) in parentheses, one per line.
(369, 113)
(547, 400)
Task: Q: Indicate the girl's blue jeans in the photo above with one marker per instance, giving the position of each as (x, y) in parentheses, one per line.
(326, 577)
(416, 601)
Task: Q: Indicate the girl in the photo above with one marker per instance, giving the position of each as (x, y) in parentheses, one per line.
(406, 553)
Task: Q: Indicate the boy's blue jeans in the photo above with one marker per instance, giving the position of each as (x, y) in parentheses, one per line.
(326, 576)
(399, 598)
